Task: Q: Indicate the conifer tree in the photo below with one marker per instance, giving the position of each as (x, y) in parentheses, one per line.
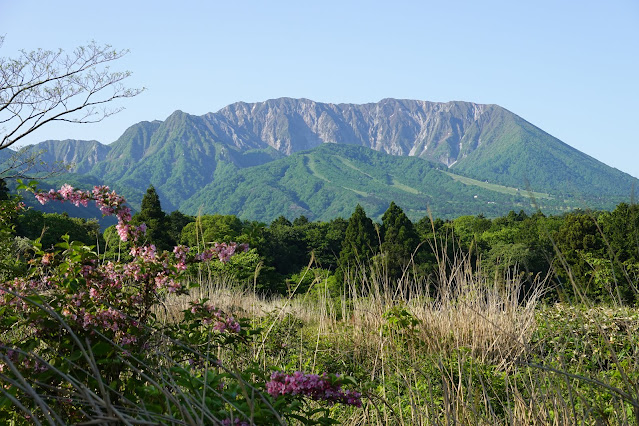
(399, 240)
(156, 221)
(360, 242)
(285, 247)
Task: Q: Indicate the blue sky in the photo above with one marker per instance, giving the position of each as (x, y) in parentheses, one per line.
(568, 67)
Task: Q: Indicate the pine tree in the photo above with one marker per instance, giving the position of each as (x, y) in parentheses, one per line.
(151, 207)
(360, 243)
(399, 240)
(156, 221)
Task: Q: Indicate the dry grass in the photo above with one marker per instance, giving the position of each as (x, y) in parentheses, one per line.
(435, 372)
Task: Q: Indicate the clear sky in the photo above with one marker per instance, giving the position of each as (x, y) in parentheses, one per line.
(568, 67)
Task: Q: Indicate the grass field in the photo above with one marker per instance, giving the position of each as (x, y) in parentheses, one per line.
(463, 348)
(498, 188)
(477, 352)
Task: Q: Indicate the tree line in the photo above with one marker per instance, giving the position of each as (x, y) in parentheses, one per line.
(585, 253)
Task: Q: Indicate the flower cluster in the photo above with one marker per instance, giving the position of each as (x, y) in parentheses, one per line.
(115, 298)
(313, 386)
(222, 251)
(13, 357)
(107, 201)
(66, 193)
(211, 315)
(89, 295)
(180, 253)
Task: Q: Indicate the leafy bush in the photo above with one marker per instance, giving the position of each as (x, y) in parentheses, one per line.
(81, 341)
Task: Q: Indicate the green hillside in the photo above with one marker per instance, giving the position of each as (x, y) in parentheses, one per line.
(518, 154)
(330, 180)
(178, 156)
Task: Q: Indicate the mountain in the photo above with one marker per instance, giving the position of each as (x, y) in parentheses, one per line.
(80, 155)
(486, 142)
(214, 160)
(329, 180)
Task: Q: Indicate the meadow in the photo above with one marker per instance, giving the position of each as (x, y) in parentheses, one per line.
(171, 337)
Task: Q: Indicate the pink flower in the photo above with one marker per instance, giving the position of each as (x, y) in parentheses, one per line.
(43, 197)
(66, 191)
(46, 258)
(123, 231)
(127, 340)
(311, 385)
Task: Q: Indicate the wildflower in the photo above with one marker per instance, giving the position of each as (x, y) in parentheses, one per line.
(123, 231)
(313, 386)
(142, 228)
(128, 339)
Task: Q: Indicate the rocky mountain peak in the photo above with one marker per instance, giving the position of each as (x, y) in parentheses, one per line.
(431, 130)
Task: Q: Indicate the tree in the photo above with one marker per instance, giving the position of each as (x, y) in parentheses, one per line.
(155, 219)
(400, 240)
(177, 222)
(301, 221)
(281, 221)
(51, 226)
(360, 242)
(45, 86)
(577, 237)
(4, 191)
(285, 248)
(151, 207)
(325, 239)
(253, 233)
(209, 229)
(621, 228)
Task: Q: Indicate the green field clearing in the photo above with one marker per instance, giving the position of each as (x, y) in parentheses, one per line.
(497, 188)
(403, 187)
(313, 168)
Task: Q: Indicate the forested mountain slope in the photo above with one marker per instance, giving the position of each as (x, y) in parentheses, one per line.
(278, 152)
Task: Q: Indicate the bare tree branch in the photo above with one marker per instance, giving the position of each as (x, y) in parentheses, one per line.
(45, 86)
(27, 163)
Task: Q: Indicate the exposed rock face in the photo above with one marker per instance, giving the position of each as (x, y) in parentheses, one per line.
(80, 155)
(444, 132)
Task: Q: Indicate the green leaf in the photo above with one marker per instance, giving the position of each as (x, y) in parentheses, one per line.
(101, 349)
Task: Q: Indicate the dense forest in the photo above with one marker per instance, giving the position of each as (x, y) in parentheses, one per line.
(596, 250)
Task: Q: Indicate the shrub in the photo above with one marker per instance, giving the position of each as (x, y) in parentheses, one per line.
(81, 342)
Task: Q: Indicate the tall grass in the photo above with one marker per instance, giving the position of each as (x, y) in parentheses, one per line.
(459, 347)
(405, 335)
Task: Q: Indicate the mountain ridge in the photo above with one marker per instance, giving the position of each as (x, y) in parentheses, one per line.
(186, 153)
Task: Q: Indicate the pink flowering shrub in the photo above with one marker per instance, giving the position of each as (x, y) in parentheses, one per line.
(114, 298)
(78, 316)
(211, 316)
(319, 388)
